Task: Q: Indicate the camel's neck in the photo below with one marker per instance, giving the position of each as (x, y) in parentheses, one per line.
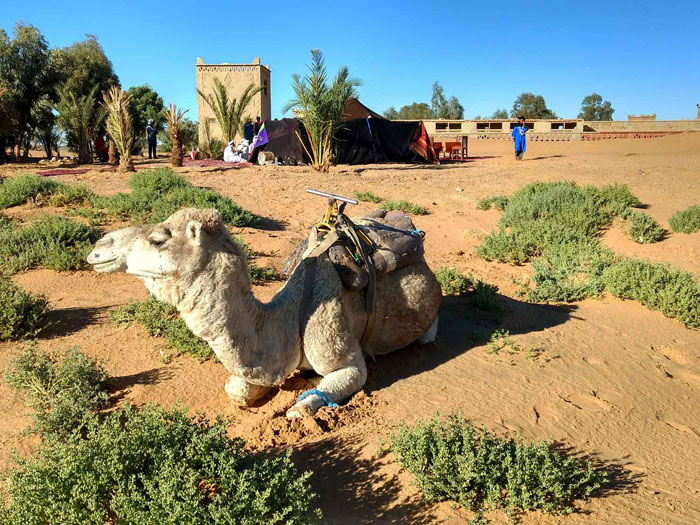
(259, 341)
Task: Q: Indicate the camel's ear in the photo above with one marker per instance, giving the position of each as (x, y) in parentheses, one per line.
(194, 231)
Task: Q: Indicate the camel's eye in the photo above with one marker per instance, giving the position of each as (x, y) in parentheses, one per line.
(159, 237)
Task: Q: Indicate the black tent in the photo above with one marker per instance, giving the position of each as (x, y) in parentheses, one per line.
(283, 140)
(370, 140)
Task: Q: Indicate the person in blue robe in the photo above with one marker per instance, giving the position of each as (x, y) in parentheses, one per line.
(519, 140)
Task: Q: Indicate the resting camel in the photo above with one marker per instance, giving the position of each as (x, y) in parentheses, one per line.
(192, 262)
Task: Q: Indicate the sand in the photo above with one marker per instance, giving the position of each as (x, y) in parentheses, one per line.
(614, 379)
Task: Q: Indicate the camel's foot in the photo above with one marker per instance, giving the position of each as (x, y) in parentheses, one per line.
(430, 334)
(243, 393)
(306, 407)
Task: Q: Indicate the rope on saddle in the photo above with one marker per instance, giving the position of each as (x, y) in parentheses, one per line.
(324, 397)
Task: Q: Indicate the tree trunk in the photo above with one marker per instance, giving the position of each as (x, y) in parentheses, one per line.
(176, 151)
(113, 153)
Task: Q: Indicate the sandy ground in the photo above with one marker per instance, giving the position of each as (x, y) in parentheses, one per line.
(614, 380)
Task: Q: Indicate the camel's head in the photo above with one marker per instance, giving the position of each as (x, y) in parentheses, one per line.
(110, 252)
(180, 247)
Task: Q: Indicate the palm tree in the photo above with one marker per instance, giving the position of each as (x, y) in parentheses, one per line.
(229, 111)
(119, 125)
(174, 118)
(321, 107)
(79, 117)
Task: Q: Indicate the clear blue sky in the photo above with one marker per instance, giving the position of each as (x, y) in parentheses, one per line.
(643, 56)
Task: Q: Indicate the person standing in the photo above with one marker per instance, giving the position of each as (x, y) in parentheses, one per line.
(519, 140)
(152, 135)
(257, 126)
(248, 133)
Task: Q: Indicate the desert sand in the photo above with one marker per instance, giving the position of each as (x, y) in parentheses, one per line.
(615, 380)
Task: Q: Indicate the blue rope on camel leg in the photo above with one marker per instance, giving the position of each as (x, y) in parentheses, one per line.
(326, 400)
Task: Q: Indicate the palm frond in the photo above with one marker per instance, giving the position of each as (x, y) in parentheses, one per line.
(119, 125)
(229, 112)
(174, 117)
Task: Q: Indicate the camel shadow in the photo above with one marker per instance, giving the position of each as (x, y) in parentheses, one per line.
(65, 321)
(354, 489)
(462, 326)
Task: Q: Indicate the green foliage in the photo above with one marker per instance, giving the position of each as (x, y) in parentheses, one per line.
(157, 194)
(189, 132)
(156, 466)
(95, 217)
(687, 221)
(454, 461)
(53, 242)
(80, 117)
(444, 108)
(83, 65)
(497, 201)
(415, 111)
(230, 112)
(18, 190)
(500, 114)
(404, 206)
(593, 108)
(673, 292)
(261, 275)
(530, 105)
(321, 107)
(367, 196)
(500, 341)
(22, 314)
(485, 295)
(162, 320)
(62, 389)
(643, 228)
(452, 281)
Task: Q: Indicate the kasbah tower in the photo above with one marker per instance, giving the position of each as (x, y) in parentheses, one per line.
(236, 77)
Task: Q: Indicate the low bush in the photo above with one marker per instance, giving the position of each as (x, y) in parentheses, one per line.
(686, 221)
(673, 292)
(404, 206)
(18, 190)
(62, 389)
(454, 461)
(162, 320)
(53, 242)
(260, 275)
(485, 295)
(452, 281)
(22, 314)
(156, 194)
(156, 466)
(643, 229)
(367, 196)
(498, 201)
(500, 341)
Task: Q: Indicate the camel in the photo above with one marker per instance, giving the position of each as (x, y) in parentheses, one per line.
(192, 262)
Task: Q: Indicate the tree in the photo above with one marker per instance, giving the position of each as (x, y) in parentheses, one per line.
(119, 125)
(229, 112)
(391, 113)
(442, 107)
(530, 105)
(27, 75)
(79, 118)
(46, 131)
(174, 118)
(593, 108)
(83, 65)
(144, 104)
(189, 132)
(416, 111)
(500, 114)
(321, 106)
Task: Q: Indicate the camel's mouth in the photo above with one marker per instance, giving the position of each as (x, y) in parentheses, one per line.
(146, 274)
(104, 263)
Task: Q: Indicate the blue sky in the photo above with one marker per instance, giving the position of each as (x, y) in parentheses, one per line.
(643, 56)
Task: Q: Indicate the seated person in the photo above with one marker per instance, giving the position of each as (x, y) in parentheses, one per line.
(230, 153)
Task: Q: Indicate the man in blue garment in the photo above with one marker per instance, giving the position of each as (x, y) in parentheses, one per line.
(519, 138)
(152, 136)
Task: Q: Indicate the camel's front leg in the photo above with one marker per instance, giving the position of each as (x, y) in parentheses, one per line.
(243, 393)
(336, 386)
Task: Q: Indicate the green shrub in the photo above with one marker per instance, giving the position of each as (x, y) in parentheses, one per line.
(500, 341)
(687, 221)
(156, 466)
(22, 314)
(618, 197)
(404, 206)
(452, 281)
(53, 242)
(367, 196)
(63, 390)
(156, 194)
(452, 460)
(18, 190)
(162, 320)
(261, 275)
(95, 217)
(498, 201)
(643, 228)
(673, 292)
(485, 295)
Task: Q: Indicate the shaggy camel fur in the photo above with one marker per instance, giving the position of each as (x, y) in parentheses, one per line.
(191, 262)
